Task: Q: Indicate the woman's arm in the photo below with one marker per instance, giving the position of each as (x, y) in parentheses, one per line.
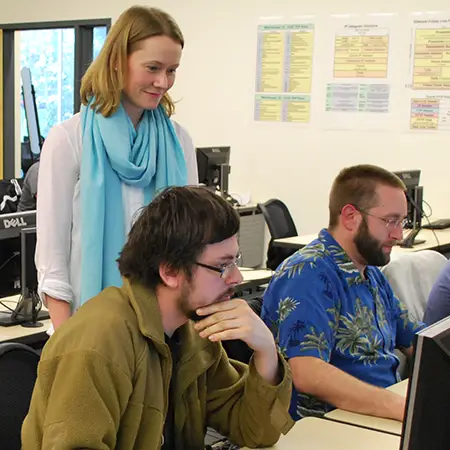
(58, 174)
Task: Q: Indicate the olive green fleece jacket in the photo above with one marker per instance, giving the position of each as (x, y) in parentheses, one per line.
(104, 375)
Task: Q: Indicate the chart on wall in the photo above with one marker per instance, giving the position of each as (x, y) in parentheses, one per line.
(429, 75)
(359, 76)
(284, 72)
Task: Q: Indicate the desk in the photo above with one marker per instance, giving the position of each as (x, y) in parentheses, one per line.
(434, 240)
(34, 337)
(253, 277)
(373, 423)
(320, 434)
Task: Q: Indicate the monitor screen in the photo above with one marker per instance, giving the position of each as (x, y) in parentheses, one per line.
(17, 267)
(9, 267)
(426, 422)
(213, 165)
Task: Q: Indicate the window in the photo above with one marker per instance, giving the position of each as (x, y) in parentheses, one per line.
(49, 54)
(57, 55)
(99, 39)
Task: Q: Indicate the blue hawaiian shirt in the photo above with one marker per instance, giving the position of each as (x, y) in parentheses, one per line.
(318, 304)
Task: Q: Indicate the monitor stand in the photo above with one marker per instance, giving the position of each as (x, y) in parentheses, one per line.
(410, 241)
(27, 313)
(6, 319)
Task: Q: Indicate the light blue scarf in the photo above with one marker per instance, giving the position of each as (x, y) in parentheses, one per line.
(114, 152)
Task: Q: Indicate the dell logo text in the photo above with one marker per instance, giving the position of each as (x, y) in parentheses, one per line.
(14, 223)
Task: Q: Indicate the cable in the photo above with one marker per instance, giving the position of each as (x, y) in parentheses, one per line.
(9, 259)
(427, 217)
(6, 306)
(431, 210)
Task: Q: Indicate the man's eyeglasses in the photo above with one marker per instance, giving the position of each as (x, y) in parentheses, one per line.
(390, 223)
(225, 270)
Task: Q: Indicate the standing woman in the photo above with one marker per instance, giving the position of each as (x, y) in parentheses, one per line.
(101, 166)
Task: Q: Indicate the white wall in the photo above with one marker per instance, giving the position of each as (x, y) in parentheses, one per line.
(215, 86)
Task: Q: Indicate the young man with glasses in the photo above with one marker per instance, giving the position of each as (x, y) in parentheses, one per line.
(333, 312)
(130, 370)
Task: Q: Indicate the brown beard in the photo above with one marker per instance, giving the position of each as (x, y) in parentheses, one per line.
(192, 315)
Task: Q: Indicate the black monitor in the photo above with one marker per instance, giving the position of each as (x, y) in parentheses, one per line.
(27, 311)
(214, 167)
(10, 262)
(414, 197)
(425, 426)
(411, 179)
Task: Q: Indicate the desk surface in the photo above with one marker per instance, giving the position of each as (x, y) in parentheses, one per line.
(18, 333)
(249, 274)
(320, 434)
(433, 240)
(374, 423)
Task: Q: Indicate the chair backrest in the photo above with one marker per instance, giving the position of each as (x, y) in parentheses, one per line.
(278, 219)
(18, 372)
(237, 349)
(280, 224)
(412, 276)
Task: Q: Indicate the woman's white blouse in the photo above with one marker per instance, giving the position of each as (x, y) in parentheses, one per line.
(58, 251)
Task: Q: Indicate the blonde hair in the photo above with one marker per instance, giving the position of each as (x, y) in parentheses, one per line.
(105, 77)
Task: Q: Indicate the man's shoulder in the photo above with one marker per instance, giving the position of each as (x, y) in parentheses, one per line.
(312, 261)
(105, 327)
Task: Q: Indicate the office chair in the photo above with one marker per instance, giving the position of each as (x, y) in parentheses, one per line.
(411, 276)
(18, 372)
(280, 224)
(237, 349)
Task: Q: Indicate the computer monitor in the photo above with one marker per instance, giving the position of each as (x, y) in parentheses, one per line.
(10, 227)
(214, 167)
(414, 198)
(425, 425)
(27, 311)
(411, 179)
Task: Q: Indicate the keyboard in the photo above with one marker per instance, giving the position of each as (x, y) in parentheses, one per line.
(439, 224)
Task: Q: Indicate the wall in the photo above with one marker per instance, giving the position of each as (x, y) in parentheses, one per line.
(215, 87)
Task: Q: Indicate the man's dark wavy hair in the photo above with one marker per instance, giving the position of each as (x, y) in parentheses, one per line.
(174, 229)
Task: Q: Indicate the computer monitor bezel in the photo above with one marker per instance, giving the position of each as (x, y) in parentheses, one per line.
(430, 337)
(12, 223)
(410, 178)
(28, 281)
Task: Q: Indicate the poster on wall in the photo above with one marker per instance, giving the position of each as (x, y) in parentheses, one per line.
(359, 77)
(284, 71)
(428, 80)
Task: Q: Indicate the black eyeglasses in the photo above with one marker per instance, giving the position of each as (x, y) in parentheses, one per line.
(390, 223)
(225, 270)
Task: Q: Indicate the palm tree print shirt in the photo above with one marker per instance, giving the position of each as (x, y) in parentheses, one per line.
(318, 304)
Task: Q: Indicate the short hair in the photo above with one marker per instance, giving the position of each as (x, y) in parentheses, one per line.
(357, 186)
(105, 77)
(174, 229)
